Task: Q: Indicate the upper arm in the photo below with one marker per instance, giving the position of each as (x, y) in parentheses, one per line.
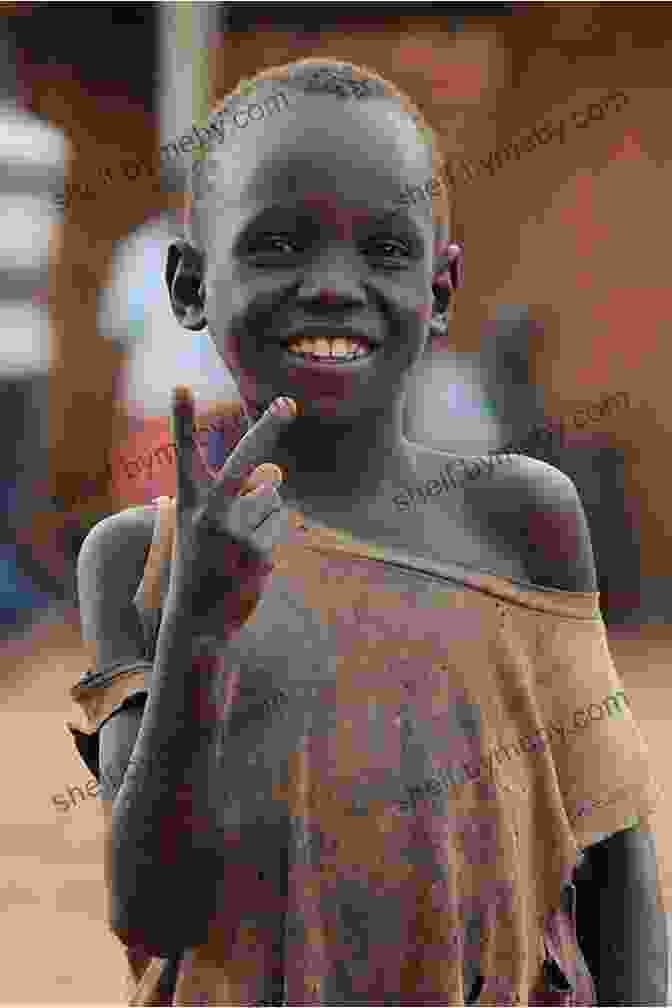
(109, 568)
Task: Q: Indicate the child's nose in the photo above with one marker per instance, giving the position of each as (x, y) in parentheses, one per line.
(338, 296)
(334, 282)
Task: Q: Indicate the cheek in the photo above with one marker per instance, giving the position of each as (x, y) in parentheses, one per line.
(238, 327)
(226, 310)
(413, 332)
(409, 294)
(422, 306)
(231, 341)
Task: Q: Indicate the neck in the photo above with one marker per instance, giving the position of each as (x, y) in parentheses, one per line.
(332, 467)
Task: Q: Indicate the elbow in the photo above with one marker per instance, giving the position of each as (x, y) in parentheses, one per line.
(148, 926)
(159, 915)
(159, 904)
(146, 940)
(159, 938)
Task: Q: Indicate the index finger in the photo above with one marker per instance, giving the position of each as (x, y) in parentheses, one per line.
(255, 447)
(182, 422)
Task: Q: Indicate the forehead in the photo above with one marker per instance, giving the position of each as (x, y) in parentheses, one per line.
(361, 151)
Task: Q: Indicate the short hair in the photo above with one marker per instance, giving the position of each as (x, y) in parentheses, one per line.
(346, 80)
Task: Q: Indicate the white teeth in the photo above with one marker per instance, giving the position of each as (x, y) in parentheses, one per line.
(339, 347)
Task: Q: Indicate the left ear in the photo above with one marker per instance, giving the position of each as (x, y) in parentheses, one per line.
(447, 267)
(184, 278)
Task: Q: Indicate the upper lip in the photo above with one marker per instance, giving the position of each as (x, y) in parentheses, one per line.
(330, 331)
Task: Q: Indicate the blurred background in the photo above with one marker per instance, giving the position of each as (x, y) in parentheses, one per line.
(566, 301)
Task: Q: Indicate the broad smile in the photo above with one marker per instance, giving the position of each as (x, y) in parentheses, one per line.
(332, 346)
(303, 362)
(332, 351)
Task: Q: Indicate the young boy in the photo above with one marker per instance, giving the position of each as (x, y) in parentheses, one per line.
(298, 754)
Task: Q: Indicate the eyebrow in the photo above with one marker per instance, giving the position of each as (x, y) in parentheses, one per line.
(377, 214)
(375, 218)
(254, 218)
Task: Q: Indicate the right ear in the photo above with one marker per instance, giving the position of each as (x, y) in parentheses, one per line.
(185, 269)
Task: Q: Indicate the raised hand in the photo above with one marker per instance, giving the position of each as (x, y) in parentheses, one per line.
(225, 533)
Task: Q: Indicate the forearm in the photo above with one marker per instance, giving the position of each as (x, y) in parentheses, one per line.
(633, 946)
(623, 921)
(163, 833)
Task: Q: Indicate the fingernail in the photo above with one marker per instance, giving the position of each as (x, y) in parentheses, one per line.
(182, 394)
(282, 406)
(183, 403)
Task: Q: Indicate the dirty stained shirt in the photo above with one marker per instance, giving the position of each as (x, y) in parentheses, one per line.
(412, 756)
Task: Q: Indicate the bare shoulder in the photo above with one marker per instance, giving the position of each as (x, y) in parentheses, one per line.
(543, 505)
(113, 554)
(506, 513)
(520, 516)
(121, 533)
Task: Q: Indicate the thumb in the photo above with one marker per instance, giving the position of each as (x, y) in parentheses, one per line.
(159, 556)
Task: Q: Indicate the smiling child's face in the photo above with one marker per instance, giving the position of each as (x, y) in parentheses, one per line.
(305, 235)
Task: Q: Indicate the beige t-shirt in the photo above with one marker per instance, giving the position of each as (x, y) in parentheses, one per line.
(412, 755)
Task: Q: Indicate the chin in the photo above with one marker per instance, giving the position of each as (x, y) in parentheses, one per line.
(328, 409)
(336, 411)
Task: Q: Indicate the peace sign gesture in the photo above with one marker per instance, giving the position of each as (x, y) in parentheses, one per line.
(224, 536)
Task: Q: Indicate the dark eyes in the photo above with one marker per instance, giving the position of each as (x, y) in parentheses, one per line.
(283, 245)
(273, 243)
(401, 247)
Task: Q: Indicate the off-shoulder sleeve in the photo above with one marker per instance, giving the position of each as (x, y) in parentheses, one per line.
(99, 695)
(602, 762)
